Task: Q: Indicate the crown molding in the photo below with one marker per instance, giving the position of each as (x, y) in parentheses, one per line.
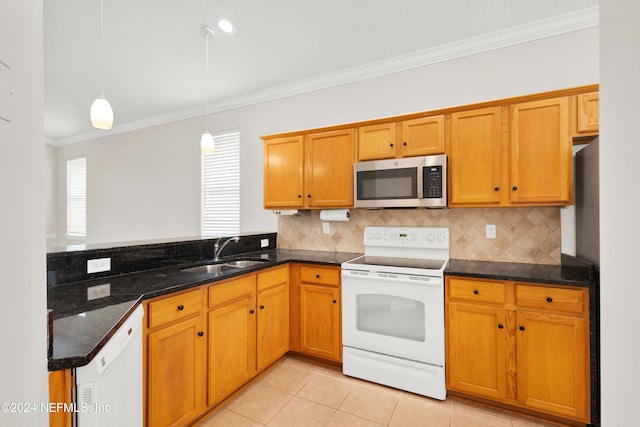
(562, 24)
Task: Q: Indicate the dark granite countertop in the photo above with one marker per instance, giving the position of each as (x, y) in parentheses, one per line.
(81, 328)
(572, 272)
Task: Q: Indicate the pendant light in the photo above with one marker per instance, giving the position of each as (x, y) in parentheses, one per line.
(101, 112)
(207, 145)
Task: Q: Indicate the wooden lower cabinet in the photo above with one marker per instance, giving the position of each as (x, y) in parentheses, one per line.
(176, 373)
(520, 344)
(273, 317)
(316, 322)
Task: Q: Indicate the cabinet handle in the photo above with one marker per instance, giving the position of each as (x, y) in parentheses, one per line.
(181, 307)
(496, 189)
(500, 326)
(476, 292)
(262, 307)
(521, 327)
(335, 301)
(200, 333)
(515, 188)
(252, 311)
(549, 299)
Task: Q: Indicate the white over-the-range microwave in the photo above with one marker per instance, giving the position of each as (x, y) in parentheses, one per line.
(410, 182)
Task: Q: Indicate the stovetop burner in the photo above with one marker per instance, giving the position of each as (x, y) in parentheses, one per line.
(427, 264)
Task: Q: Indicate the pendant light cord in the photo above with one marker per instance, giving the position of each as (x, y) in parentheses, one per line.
(206, 93)
(101, 51)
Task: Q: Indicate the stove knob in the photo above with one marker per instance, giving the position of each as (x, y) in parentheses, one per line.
(441, 237)
(430, 237)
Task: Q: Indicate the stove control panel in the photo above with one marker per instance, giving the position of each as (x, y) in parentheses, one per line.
(414, 237)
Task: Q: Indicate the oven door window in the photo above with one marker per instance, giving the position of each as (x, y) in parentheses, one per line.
(387, 184)
(391, 315)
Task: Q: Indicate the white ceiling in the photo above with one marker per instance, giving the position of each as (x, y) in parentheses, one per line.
(154, 50)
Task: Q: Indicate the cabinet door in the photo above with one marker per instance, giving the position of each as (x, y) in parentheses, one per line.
(541, 156)
(553, 369)
(176, 373)
(477, 350)
(475, 157)
(329, 169)
(232, 347)
(377, 142)
(423, 136)
(273, 325)
(283, 172)
(588, 113)
(320, 321)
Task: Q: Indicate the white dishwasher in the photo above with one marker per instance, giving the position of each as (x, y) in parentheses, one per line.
(109, 388)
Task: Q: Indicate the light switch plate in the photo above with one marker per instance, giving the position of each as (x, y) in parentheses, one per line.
(98, 265)
(325, 228)
(491, 231)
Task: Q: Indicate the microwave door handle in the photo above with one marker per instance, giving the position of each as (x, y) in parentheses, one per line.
(420, 178)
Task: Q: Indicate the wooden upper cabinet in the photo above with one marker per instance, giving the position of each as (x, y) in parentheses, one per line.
(587, 114)
(541, 153)
(475, 157)
(284, 172)
(329, 169)
(377, 142)
(423, 136)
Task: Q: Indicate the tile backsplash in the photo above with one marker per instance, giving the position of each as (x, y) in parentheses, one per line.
(527, 235)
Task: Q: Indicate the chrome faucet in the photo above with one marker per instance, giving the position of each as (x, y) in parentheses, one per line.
(217, 248)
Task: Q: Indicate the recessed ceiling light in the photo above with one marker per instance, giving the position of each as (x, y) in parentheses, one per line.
(226, 25)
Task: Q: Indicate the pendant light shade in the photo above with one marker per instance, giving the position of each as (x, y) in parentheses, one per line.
(101, 114)
(207, 145)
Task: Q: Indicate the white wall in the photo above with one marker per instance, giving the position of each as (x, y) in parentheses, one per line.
(23, 358)
(619, 211)
(145, 184)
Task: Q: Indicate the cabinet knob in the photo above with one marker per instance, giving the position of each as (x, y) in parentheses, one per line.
(308, 196)
(404, 143)
(391, 145)
(496, 189)
(500, 326)
(299, 196)
(521, 327)
(200, 333)
(181, 307)
(515, 188)
(317, 276)
(262, 307)
(549, 299)
(476, 292)
(252, 311)
(335, 301)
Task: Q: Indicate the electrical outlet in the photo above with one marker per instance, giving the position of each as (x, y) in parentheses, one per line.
(264, 243)
(491, 231)
(325, 228)
(100, 291)
(98, 265)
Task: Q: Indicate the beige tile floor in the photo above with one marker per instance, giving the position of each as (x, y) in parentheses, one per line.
(297, 392)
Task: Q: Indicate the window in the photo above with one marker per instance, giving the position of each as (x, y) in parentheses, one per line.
(220, 198)
(77, 197)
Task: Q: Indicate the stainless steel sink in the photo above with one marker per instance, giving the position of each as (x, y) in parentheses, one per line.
(223, 267)
(244, 263)
(209, 269)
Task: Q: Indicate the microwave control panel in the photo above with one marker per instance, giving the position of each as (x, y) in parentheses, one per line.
(432, 182)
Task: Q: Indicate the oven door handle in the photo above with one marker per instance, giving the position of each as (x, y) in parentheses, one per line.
(393, 277)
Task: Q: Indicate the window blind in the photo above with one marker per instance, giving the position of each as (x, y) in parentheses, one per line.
(77, 197)
(220, 197)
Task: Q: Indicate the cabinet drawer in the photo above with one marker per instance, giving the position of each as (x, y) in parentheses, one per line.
(175, 307)
(478, 291)
(273, 276)
(325, 276)
(231, 290)
(553, 299)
